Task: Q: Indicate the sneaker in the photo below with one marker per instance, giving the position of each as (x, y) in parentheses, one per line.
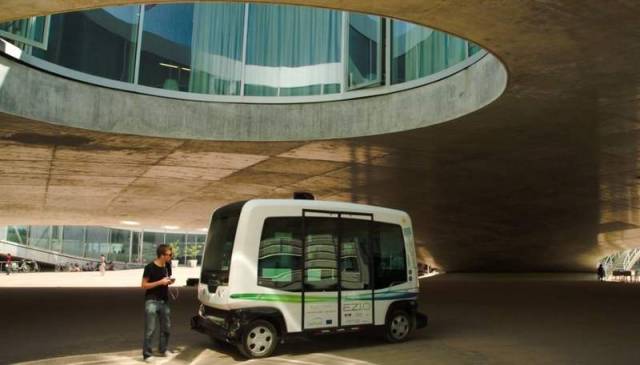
(148, 359)
(167, 353)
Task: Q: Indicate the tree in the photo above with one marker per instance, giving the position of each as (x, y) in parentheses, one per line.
(194, 250)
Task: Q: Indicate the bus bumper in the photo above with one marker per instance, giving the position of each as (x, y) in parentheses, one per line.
(220, 332)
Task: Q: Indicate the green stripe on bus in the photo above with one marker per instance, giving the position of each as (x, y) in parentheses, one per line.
(293, 298)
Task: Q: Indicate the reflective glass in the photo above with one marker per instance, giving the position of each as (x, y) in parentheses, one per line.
(354, 255)
(321, 254)
(119, 245)
(365, 50)
(199, 247)
(31, 29)
(97, 242)
(151, 242)
(292, 50)
(474, 48)
(99, 42)
(198, 47)
(280, 255)
(56, 240)
(193, 47)
(417, 51)
(39, 237)
(73, 240)
(17, 234)
(135, 247)
(389, 257)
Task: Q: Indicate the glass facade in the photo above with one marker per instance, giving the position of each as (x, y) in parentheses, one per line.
(292, 51)
(72, 240)
(33, 31)
(236, 49)
(97, 242)
(365, 47)
(418, 51)
(120, 245)
(98, 42)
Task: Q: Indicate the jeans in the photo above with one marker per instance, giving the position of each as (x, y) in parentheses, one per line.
(156, 311)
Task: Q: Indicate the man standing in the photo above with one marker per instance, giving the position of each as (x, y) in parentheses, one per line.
(601, 273)
(8, 263)
(103, 265)
(156, 280)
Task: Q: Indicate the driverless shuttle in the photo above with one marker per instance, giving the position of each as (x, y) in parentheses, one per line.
(273, 269)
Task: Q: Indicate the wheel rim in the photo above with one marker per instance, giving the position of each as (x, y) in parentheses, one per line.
(399, 326)
(259, 340)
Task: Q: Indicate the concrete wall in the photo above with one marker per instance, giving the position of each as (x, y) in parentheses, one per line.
(31, 93)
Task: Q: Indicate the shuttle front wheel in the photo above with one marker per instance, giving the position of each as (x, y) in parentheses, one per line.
(399, 326)
(259, 339)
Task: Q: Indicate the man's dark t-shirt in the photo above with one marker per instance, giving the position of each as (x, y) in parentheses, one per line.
(155, 273)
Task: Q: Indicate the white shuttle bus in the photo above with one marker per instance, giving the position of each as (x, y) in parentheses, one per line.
(273, 269)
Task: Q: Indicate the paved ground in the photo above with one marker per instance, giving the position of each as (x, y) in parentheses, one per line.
(90, 279)
(475, 319)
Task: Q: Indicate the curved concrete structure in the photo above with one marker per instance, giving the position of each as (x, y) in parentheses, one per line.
(110, 110)
(544, 178)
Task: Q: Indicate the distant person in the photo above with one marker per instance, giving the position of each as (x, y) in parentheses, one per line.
(8, 264)
(601, 273)
(102, 266)
(156, 280)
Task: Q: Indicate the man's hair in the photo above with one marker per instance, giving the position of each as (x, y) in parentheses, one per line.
(162, 249)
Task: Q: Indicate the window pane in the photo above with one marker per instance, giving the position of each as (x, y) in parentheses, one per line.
(151, 242)
(39, 237)
(292, 48)
(419, 51)
(456, 50)
(279, 264)
(364, 50)
(56, 241)
(98, 243)
(220, 240)
(99, 42)
(119, 245)
(354, 258)
(176, 240)
(17, 234)
(28, 29)
(321, 254)
(73, 240)
(389, 256)
(193, 47)
(135, 247)
(474, 48)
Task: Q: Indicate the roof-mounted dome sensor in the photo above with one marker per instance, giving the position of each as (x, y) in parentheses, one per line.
(303, 195)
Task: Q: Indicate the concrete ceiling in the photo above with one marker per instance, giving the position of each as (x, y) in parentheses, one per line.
(545, 178)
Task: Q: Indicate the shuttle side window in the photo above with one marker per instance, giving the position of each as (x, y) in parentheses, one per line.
(321, 263)
(354, 260)
(280, 254)
(389, 256)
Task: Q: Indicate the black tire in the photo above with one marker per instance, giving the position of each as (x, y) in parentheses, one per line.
(259, 339)
(399, 326)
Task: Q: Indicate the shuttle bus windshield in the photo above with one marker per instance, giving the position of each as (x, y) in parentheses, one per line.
(222, 234)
